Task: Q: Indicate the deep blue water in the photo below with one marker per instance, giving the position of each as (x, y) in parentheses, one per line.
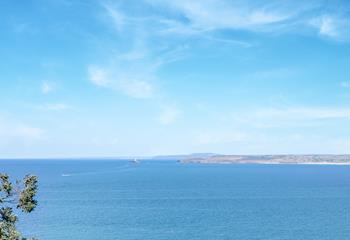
(167, 200)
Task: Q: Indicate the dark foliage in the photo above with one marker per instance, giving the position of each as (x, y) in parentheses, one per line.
(20, 196)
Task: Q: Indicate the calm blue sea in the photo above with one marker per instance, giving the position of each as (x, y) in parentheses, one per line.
(156, 200)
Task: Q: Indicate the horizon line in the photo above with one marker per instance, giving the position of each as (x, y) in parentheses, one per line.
(158, 157)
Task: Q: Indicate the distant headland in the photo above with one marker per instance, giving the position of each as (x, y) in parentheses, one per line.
(271, 159)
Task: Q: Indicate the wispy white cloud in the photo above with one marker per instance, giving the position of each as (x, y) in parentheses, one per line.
(169, 115)
(132, 84)
(16, 131)
(98, 76)
(210, 15)
(289, 117)
(27, 132)
(205, 17)
(136, 88)
(133, 71)
(345, 84)
(206, 138)
(116, 15)
(133, 68)
(47, 87)
(54, 107)
(327, 27)
(304, 113)
(272, 74)
(18, 136)
(332, 26)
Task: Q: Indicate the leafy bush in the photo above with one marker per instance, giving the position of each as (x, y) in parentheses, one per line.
(20, 196)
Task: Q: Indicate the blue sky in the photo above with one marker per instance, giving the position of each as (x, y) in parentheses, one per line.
(147, 77)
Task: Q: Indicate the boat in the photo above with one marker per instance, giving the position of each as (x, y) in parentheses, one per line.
(135, 161)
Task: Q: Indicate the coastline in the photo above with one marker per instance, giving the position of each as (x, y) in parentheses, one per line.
(272, 159)
(268, 163)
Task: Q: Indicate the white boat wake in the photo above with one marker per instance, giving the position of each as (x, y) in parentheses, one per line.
(124, 168)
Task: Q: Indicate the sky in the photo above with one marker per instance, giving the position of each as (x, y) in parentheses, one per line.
(104, 78)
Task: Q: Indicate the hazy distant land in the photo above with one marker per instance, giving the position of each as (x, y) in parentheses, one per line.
(271, 159)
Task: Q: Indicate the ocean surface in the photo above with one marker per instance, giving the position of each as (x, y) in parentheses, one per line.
(166, 200)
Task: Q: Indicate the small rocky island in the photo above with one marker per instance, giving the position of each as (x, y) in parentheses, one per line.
(272, 159)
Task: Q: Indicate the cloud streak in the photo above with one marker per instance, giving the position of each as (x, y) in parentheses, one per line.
(205, 18)
(54, 107)
(332, 26)
(289, 117)
(98, 76)
(132, 84)
(47, 87)
(305, 113)
(345, 84)
(211, 15)
(19, 132)
(169, 115)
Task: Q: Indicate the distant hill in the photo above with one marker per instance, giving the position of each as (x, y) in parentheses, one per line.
(272, 159)
(184, 156)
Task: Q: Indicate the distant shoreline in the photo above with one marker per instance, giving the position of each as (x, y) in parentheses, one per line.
(273, 159)
(211, 158)
(267, 163)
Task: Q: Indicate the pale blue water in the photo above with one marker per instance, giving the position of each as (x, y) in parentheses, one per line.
(167, 200)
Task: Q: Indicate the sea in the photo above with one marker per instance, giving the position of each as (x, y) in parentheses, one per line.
(167, 200)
